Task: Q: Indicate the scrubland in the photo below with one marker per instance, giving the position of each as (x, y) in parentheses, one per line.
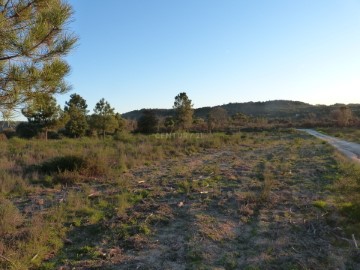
(252, 200)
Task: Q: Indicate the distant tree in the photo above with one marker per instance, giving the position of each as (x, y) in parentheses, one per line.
(169, 123)
(76, 109)
(130, 125)
(103, 120)
(183, 111)
(44, 113)
(148, 122)
(33, 38)
(240, 119)
(121, 122)
(199, 125)
(342, 116)
(217, 118)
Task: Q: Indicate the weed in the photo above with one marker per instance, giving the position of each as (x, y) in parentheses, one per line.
(320, 204)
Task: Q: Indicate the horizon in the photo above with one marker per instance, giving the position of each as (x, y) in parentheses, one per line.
(22, 118)
(234, 51)
(218, 53)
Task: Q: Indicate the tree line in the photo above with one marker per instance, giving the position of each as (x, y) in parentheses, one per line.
(45, 117)
(34, 39)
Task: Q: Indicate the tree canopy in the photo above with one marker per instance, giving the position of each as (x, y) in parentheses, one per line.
(217, 118)
(148, 122)
(76, 109)
(183, 111)
(44, 113)
(103, 120)
(33, 39)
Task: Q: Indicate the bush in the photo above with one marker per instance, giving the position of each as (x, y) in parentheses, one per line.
(3, 137)
(9, 133)
(62, 164)
(27, 130)
(10, 217)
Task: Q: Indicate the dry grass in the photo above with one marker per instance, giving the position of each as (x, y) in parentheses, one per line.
(265, 200)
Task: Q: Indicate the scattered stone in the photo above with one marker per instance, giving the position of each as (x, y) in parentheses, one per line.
(67, 241)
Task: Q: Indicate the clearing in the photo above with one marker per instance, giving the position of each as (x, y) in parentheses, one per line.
(262, 200)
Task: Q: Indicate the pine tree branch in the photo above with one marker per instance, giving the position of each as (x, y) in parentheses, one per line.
(17, 13)
(5, 7)
(9, 57)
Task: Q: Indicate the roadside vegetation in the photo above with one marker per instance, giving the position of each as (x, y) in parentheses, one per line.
(351, 134)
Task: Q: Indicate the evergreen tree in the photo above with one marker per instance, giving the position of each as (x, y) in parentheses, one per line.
(44, 113)
(148, 122)
(183, 111)
(33, 38)
(121, 122)
(103, 120)
(76, 111)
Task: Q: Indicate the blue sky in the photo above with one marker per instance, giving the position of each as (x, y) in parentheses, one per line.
(142, 53)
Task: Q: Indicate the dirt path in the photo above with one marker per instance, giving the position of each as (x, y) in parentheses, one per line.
(350, 149)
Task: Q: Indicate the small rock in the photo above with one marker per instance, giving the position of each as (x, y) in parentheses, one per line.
(114, 251)
(39, 201)
(67, 241)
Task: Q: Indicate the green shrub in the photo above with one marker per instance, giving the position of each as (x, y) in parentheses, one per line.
(62, 164)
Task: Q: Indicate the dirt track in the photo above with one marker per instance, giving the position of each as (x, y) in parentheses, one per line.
(350, 149)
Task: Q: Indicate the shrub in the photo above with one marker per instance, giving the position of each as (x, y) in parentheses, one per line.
(62, 164)
(27, 130)
(10, 217)
(3, 137)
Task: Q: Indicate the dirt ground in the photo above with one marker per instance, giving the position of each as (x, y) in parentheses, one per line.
(248, 206)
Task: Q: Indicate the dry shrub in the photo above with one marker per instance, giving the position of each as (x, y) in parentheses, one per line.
(94, 165)
(3, 137)
(10, 217)
(213, 229)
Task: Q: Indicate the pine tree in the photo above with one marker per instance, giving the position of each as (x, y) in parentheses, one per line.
(44, 113)
(103, 120)
(33, 38)
(76, 109)
(148, 122)
(183, 111)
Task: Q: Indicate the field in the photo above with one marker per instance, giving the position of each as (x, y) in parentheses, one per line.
(256, 200)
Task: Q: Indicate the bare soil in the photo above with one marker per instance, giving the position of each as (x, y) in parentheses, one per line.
(248, 206)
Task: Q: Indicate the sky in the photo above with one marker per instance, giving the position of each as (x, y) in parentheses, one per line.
(141, 53)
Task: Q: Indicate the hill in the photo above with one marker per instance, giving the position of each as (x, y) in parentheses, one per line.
(275, 109)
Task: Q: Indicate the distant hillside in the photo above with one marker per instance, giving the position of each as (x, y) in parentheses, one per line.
(282, 109)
